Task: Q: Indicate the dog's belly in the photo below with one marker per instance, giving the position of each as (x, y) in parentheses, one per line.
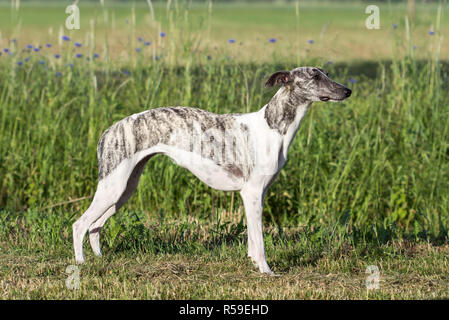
(226, 177)
(216, 177)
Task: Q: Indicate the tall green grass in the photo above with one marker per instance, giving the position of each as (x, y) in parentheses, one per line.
(376, 164)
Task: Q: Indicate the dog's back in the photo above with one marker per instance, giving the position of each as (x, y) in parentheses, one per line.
(218, 137)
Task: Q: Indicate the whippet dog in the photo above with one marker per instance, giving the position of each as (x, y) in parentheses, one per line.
(230, 152)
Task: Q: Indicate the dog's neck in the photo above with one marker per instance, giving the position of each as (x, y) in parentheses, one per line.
(285, 111)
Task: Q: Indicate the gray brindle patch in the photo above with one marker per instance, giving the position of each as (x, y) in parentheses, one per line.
(230, 152)
(157, 126)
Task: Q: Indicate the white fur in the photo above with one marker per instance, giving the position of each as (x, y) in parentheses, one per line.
(270, 151)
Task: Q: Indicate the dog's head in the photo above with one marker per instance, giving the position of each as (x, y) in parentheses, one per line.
(310, 84)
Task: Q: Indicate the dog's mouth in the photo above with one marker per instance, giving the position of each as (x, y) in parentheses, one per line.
(331, 99)
(341, 95)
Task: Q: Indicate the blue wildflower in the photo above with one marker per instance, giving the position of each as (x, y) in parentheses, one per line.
(162, 34)
(272, 40)
(65, 38)
(147, 43)
(42, 62)
(27, 59)
(36, 49)
(156, 58)
(352, 80)
(395, 25)
(19, 63)
(14, 40)
(79, 55)
(209, 58)
(126, 72)
(96, 55)
(311, 41)
(57, 56)
(78, 44)
(29, 46)
(138, 49)
(48, 45)
(431, 32)
(58, 74)
(6, 50)
(70, 65)
(231, 41)
(140, 39)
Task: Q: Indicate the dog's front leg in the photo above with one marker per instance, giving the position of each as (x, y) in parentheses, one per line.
(253, 202)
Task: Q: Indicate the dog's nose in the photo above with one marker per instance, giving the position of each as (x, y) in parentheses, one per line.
(348, 92)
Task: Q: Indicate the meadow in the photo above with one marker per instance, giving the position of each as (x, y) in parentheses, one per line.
(366, 182)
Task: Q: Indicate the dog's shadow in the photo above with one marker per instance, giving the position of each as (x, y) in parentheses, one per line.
(284, 251)
(288, 260)
(136, 237)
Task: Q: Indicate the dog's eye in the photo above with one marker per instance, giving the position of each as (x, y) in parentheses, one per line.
(317, 77)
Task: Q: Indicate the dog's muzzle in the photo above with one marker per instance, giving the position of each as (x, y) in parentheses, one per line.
(346, 94)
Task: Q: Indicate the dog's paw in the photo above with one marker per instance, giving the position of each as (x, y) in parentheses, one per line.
(80, 260)
(268, 272)
(262, 266)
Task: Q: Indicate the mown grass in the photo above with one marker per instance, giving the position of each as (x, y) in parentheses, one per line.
(158, 258)
(366, 182)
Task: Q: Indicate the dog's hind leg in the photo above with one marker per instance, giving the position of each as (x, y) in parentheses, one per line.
(103, 201)
(95, 227)
(109, 191)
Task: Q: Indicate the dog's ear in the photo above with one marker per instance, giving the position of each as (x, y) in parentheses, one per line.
(325, 72)
(279, 77)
